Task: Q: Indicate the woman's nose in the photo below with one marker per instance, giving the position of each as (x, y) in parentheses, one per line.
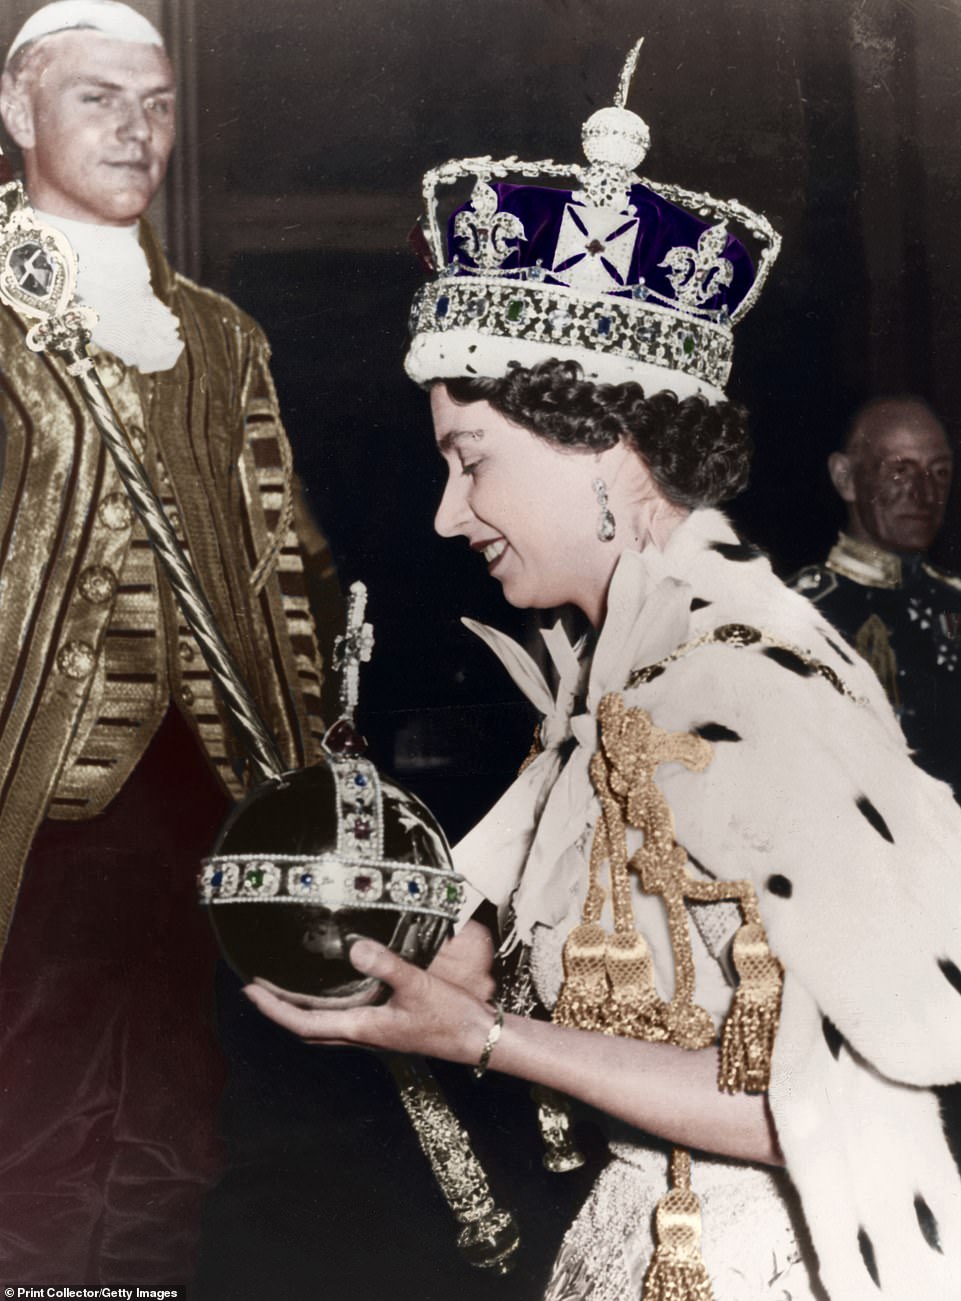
(453, 513)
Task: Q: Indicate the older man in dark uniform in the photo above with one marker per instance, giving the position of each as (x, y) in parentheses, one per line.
(116, 761)
(901, 612)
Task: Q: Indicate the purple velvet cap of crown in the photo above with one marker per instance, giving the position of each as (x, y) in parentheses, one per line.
(661, 226)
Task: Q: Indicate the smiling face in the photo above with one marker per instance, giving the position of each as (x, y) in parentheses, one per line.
(895, 477)
(525, 507)
(94, 117)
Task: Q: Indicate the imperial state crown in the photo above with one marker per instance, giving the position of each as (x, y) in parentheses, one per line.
(614, 273)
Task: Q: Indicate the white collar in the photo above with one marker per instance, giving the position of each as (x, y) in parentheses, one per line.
(114, 279)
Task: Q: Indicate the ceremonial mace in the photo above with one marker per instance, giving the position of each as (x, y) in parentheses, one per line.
(311, 859)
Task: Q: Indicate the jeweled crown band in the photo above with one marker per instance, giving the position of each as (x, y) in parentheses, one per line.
(614, 339)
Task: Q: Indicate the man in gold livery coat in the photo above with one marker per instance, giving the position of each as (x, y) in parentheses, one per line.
(116, 762)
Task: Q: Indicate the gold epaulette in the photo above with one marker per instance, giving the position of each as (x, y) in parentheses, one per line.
(941, 575)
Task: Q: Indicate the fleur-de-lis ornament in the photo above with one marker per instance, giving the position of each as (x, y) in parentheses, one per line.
(485, 231)
(697, 274)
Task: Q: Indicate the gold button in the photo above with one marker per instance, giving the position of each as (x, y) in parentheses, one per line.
(76, 659)
(186, 652)
(116, 512)
(137, 440)
(186, 695)
(110, 369)
(173, 515)
(97, 584)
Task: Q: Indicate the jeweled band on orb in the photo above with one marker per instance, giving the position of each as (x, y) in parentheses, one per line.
(332, 881)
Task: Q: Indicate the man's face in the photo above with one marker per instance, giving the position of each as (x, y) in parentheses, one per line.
(896, 481)
(95, 120)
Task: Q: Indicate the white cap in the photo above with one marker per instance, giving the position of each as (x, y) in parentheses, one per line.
(108, 17)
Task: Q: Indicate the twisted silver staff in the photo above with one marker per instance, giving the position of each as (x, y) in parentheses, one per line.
(38, 273)
(264, 755)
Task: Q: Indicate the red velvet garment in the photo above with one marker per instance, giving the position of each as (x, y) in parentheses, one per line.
(109, 1072)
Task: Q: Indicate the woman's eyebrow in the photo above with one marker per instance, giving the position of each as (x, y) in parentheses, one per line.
(447, 442)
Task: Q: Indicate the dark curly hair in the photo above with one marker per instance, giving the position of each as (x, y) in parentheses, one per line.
(698, 452)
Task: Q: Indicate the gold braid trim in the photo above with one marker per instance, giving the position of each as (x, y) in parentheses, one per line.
(747, 1040)
(274, 474)
(609, 978)
(536, 749)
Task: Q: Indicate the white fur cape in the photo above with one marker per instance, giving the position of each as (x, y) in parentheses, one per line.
(855, 855)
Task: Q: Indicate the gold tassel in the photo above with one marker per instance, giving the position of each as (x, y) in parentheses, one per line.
(633, 1007)
(677, 1271)
(584, 992)
(747, 1040)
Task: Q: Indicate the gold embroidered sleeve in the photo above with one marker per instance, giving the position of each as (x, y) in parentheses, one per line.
(277, 560)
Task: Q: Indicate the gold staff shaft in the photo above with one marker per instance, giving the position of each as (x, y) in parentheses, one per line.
(488, 1236)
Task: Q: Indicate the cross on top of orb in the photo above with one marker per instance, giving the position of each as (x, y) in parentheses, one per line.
(352, 649)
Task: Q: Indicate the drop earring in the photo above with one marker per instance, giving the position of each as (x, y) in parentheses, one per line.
(606, 524)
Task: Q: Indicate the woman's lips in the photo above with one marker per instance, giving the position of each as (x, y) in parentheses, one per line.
(492, 551)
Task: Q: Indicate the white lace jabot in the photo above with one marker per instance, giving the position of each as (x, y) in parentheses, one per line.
(114, 279)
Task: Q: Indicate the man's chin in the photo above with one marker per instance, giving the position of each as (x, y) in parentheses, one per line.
(124, 196)
(106, 209)
(126, 206)
(912, 540)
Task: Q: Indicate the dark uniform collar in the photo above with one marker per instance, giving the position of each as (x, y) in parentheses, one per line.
(864, 563)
